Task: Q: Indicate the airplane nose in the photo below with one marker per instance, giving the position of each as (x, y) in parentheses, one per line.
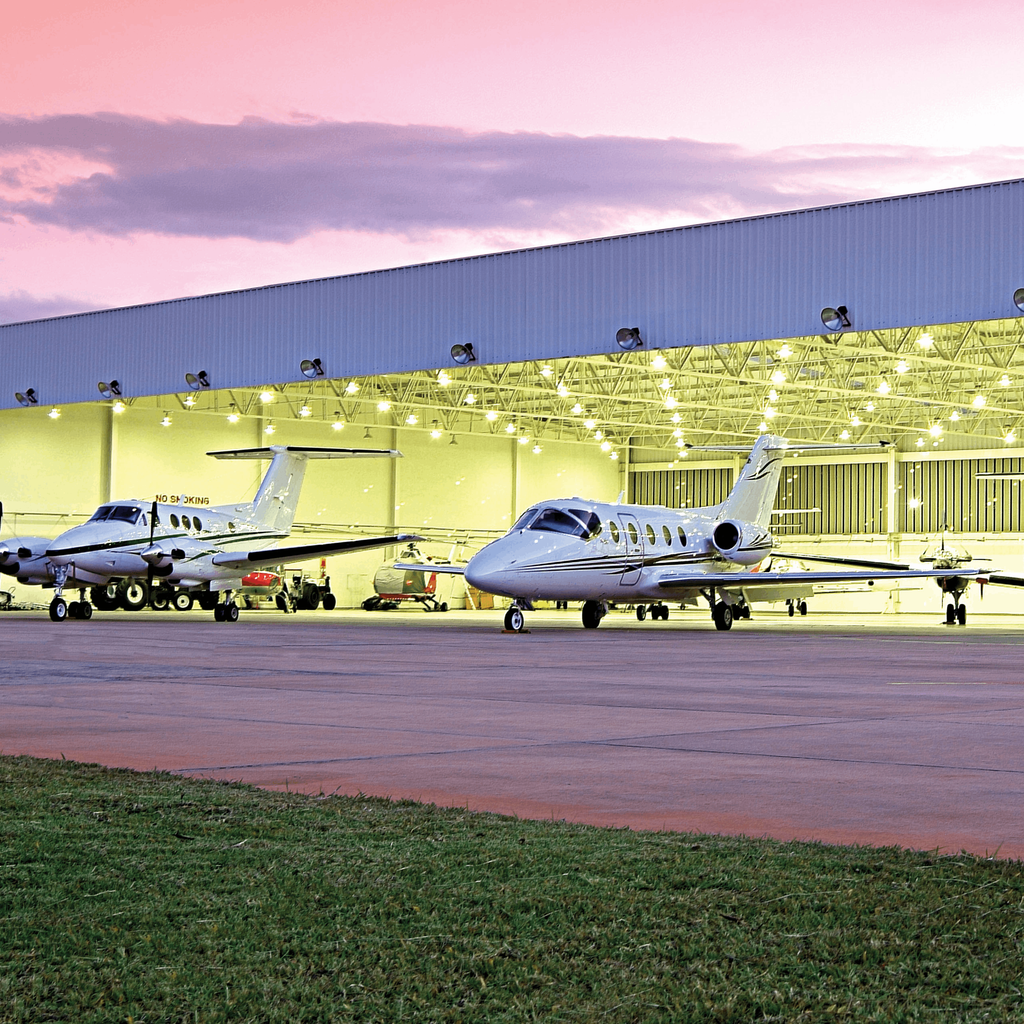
(487, 571)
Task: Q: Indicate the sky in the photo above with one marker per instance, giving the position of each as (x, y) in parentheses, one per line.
(152, 150)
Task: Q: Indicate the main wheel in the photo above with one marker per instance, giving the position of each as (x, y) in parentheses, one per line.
(133, 595)
(105, 598)
(592, 614)
(723, 616)
(58, 609)
(85, 610)
(73, 609)
(961, 614)
(183, 601)
(207, 600)
(641, 612)
(792, 608)
(330, 602)
(160, 599)
(664, 613)
(514, 619)
(950, 614)
(218, 613)
(803, 607)
(230, 612)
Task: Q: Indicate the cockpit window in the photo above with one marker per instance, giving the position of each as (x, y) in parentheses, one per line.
(118, 513)
(554, 520)
(590, 520)
(525, 519)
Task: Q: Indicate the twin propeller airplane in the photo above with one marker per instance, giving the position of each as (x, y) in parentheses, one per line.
(565, 550)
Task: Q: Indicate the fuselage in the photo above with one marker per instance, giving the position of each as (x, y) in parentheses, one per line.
(571, 549)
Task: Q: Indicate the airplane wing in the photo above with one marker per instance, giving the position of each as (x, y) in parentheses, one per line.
(753, 580)
(861, 563)
(298, 552)
(454, 570)
(1003, 581)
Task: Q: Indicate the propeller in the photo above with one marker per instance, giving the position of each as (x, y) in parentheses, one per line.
(151, 567)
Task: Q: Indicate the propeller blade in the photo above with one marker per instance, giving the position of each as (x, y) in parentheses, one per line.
(152, 567)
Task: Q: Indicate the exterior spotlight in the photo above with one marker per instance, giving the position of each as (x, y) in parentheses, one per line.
(311, 368)
(1018, 299)
(339, 423)
(197, 380)
(628, 338)
(233, 416)
(111, 390)
(119, 407)
(463, 354)
(28, 398)
(166, 421)
(835, 319)
(54, 413)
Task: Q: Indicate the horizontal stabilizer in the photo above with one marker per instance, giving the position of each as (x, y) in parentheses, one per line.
(300, 552)
(753, 580)
(309, 453)
(781, 444)
(454, 570)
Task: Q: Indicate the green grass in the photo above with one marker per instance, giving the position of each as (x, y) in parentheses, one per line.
(148, 897)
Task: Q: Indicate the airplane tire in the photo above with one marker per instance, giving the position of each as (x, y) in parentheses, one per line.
(103, 598)
(208, 600)
(791, 608)
(592, 614)
(330, 602)
(514, 619)
(803, 608)
(231, 612)
(183, 601)
(950, 614)
(723, 616)
(73, 609)
(961, 614)
(58, 609)
(133, 595)
(160, 599)
(84, 610)
(218, 613)
(641, 612)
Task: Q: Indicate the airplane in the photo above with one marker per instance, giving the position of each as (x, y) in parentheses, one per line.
(131, 545)
(572, 549)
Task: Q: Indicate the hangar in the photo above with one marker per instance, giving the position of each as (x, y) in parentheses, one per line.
(580, 368)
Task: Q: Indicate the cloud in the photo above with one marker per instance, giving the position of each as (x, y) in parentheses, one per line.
(18, 306)
(120, 175)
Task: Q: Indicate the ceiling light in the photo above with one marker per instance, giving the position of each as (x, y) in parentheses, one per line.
(955, 416)
(537, 449)
(671, 401)
(870, 407)
(901, 366)
(27, 398)
(54, 413)
(606, 446)
(844, 435)
(189, 401)
(270, 429)
(577, 409)
(563, 391)
(778, 377)
(111, 390)
(311, 368)
(546, 371)
(773, 395)
(339, 423)
(678, 432)
(884, 387)
(1009, 437)
(680, 443)
(914, 503)
(266, 397)
(383, 405)
(1005, 381)
(598, 435)
(835, 319)
(659, 362)
(615, 456)
(978, 401)
(443, 379)
(854, 421)
(590, 424)
(436, 432)
(233, 416)
(351, 387)
(919, 442)
(926, 340)
(525, 439)
(463, 354)
(119, 407)
(490, 415)
(935, 430)
(785, 352)
(676, 418)
(762, 426)
(510, 428)
(769, 413)
(166, 421)
(412, 419)
(665, 384)
(628, 338)
(305, 411)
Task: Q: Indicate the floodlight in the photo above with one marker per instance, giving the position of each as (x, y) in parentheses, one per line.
(463, 354)
(628, 338)
(29, 397)
(311, 368)
(197, 380)
(835, 319)
(111, 390)
(1018, 299)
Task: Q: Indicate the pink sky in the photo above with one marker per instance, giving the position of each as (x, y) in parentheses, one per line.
(394, 132)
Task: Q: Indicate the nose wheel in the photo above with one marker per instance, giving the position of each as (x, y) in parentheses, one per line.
(514, 619)
(227, 611)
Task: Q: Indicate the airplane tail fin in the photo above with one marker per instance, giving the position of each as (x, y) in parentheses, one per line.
(753, 495)
(275, 503)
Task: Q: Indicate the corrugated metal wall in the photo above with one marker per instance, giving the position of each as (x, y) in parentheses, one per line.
(946, 495)
(681, 488)
(933, 258)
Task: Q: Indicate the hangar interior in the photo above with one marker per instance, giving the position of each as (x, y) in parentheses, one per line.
(482, 442)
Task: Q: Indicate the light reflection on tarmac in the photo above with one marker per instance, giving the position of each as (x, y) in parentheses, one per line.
(867, 729)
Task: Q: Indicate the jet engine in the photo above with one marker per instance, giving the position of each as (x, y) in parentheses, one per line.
(743, 543)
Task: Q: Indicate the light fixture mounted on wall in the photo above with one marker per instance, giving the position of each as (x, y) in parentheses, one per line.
(111, 390)
(311, 368)
(628, 338)
(463, 354)
(197, 380)
(28, 397)
(1018, 299)
(835, 319)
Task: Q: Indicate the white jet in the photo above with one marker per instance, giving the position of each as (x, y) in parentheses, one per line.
(572, 549)
(186, 549)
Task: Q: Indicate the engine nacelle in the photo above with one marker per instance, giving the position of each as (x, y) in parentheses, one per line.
(21, 555)
(742, 543)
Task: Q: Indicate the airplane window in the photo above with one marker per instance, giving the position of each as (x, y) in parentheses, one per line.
(124, 513)
(597, 529)
(650, 534)
(525, 519)
(614, 527)
(174, 521)
(557, 521)
(231, 527)
(591, 520)
(101, 513)
(682, 536)
(156, 518)
(632, 532)
(667, 534)
(196, 523)
(185, 522)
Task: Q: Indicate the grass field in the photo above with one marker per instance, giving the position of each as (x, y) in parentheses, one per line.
(148, 897)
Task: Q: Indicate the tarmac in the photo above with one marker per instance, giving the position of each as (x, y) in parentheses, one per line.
(872, 729)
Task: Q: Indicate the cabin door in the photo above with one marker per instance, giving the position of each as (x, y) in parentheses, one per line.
(634, 539)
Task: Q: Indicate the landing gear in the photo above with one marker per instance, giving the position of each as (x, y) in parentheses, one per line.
(722, 614)
(182, 601)
(961, 615)
(105, 598)
(226, 612)
(593, 613)
(133, 595)
(794, 606)
(207, 600)
(803, 607)
(58, 609)
(641, 612)
(514, 619)
(956, 613)
(160, 599)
